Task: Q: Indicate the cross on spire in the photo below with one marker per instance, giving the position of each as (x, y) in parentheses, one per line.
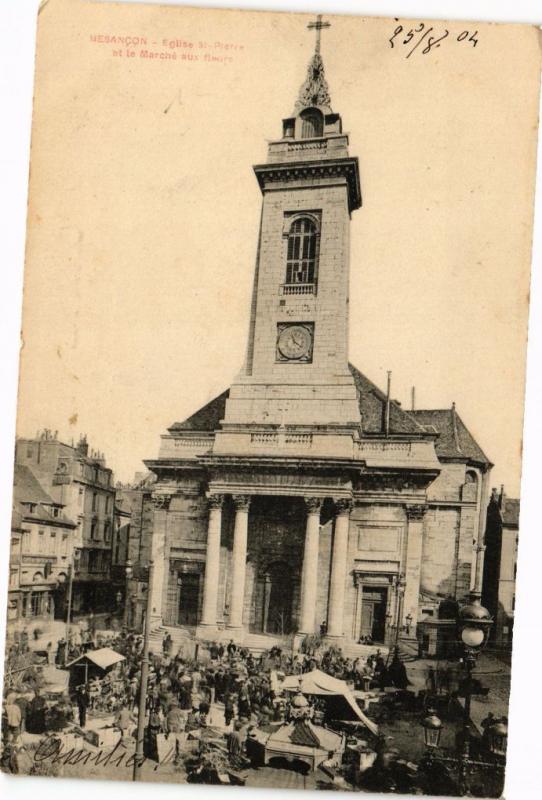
(317, 26)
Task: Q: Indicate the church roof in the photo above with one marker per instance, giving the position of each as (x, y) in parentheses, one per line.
(372, 403)
(372, 406)
(454, 439)
(207, 418)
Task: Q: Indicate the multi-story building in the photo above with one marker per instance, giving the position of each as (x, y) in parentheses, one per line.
(131, 550)
(80, 481)
(500, 565)
(41, 551)
(303, 494)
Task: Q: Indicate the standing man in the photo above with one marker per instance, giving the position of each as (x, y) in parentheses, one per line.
(231, 649)
(175, 727)
(123, 720)
(82, 699)
(14, 717)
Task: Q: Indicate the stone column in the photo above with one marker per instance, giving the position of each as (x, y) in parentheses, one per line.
(309, 577)
(335, 615)
(412, 568)
(158, 555)
(239, 558)
(212, 561)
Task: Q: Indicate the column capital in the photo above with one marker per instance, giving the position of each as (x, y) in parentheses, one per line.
(161, 501)
(344, 506)
(314, 504)
(241, 502)
(215, 500)
(415, 512)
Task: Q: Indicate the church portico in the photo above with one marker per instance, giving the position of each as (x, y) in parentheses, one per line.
(272, 564)
(286, 563)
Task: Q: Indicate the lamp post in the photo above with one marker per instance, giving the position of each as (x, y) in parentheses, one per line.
(141, 714)
(400, 593)
(498, 736)
(474, 623)
(71, 569)
(128, 571)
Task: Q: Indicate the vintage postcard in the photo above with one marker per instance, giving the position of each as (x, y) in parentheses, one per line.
(266, 491)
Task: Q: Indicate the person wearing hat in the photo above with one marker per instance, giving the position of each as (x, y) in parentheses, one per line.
(175, 725)
(229, 708)
(235, 740)
(14, 718)
(123, 720)
(82, 699)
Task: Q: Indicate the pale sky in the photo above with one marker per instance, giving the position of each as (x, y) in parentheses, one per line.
(144, 214)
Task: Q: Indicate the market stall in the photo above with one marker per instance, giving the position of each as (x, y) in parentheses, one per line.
(340, 701)
(94, 665)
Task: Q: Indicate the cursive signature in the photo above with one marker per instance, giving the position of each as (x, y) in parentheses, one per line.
(53, 751)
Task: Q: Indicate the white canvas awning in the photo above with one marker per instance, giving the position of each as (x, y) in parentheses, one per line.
(103, 658)
(320, 683)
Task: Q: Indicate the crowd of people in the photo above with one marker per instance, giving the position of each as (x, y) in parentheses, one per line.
(222, 686)
(181, 691)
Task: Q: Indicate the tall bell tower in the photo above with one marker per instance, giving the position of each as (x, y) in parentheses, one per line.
(296, 369)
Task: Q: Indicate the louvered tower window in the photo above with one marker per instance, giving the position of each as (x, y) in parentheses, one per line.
(302, 247)
(312, 124)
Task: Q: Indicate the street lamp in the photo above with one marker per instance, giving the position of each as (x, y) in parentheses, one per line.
(498, 739)
(141, 714)
(432, 730)
(71, 569)
(474, 623)
(400, 591)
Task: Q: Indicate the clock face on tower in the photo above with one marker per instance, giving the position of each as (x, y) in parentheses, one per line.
(294, 342)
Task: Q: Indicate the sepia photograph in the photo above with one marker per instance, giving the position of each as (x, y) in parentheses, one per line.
(267, 466)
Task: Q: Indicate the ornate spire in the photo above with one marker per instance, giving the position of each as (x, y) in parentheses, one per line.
(314, 91)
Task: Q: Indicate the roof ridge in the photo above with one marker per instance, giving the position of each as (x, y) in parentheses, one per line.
(429, 410)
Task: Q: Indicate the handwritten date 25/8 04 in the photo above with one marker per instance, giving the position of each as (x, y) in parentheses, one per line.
(422, 35)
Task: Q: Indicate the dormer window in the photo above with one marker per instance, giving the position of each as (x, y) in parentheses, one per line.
(312, 123)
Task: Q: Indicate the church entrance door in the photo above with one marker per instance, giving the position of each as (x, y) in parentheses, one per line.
(373, 612)
(277, 599)
(188, 598)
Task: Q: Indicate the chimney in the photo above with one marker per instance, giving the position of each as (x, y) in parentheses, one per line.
(387, 412)
(413, 398)
(82, 446)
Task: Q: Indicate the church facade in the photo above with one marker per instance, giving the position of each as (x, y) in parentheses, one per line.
(303, 498)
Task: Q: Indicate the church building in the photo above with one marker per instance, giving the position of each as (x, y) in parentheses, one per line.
(303, 498)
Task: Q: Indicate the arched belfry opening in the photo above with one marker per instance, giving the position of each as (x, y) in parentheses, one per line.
(312, 123)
